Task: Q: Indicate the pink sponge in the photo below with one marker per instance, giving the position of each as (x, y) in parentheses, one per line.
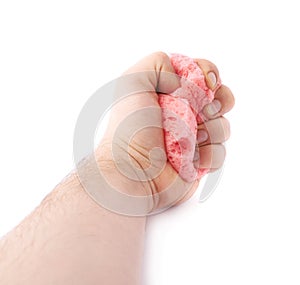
(181, 113)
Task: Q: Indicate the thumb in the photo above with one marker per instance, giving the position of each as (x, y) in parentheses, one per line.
(161, 76)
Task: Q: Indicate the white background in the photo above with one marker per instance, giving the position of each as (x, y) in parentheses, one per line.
(55, 54)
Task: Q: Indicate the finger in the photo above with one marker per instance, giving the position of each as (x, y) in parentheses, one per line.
(159, 72)
(222, 103)
(211, 156)
(213, 131)
(138, 86)
(210, 71)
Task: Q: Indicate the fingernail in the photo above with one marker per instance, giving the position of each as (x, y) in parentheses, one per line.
(196, 154)
(212, 78)
(196, 160)
(213, 108)
(202, 136)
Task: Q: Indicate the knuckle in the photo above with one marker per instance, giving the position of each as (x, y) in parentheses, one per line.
(225, 128)
(160, 56)
(228, 95)
(212, 66)
(208, 65)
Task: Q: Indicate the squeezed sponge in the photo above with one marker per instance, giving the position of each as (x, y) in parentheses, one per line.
(181, 113)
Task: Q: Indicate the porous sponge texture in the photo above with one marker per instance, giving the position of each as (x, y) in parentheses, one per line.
(181, 114)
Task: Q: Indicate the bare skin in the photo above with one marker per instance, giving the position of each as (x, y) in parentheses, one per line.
(70, 239)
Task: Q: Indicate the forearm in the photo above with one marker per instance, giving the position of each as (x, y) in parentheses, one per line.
(69, 239)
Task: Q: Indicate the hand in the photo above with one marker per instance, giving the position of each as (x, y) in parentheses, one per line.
(132, 153)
